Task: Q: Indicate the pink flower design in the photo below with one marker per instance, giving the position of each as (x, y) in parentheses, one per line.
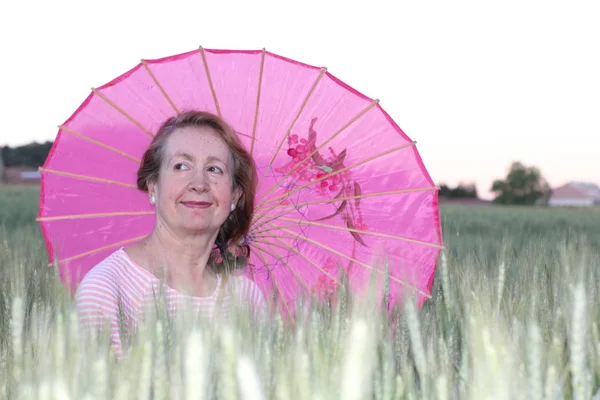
(325, 176)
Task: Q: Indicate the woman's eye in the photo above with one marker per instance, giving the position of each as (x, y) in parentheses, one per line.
(180, 166)
(215, 169)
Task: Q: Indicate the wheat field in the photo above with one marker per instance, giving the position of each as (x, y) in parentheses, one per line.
(515, 314)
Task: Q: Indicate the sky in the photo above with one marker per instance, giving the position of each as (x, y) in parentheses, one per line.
(477, 84)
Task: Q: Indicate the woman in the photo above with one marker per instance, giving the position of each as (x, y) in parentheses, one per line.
(202, 183)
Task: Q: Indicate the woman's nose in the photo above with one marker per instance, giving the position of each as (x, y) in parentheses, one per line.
(199, 181)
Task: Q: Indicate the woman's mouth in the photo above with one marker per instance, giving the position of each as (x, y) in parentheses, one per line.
(196, 204)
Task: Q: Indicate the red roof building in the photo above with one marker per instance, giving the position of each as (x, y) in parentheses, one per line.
(575, 194)
(19, 176)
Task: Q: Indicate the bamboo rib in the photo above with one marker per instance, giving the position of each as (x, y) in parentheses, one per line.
(354, 119)
(265, 204)
(210, 82)
(274, 278)
(362, 196)
(309, 94)
(334, 251)
(260, 77)
(274, 228)
(342, 228)
(87, 253)
(119, 109)
(72, 132)
(255, 225)
(339, 171)
(286, 246)
(97, 215)
(294, 206)
(162, 90)
(277, 256)
(86, 178)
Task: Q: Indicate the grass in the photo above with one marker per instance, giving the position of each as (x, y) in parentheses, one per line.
(514, 315)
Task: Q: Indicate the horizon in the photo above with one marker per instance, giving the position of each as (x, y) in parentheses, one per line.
(474, 95)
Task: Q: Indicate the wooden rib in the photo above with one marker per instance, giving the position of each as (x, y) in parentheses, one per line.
(255, 225)
(98, 215)
(334, 251)
(340, 228)
(286, 246)
(329, 175)
(362, 196)
(210, 83)
(354, 119)
(343, 228)
(79, 135)
(278, 257)
(275, 283)
(289, 130)
(260, 77)
(160, 86)
(274, 228)
(87, 178)
(119, 109)
(87, 253)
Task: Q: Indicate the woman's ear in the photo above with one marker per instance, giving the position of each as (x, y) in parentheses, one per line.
(152, 191)
(237, 193)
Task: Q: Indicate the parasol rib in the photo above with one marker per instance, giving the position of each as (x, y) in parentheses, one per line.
(162, 90)
(210, 83)
(278, 256)
(87, 253)
(119, 109)
(98, 215)
(97, 143)
(294, 206)
(286, 246)
(289, 130)
(316, 150)
(274, 278)
(334, 251)
(260, 77)
(342, 228)
(87, 178)
(327, 176)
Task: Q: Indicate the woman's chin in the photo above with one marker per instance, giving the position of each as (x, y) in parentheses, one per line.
(198, 227)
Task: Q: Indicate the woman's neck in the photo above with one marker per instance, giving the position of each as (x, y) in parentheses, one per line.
(181, 260)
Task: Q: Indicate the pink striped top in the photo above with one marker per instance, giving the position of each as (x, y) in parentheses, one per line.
(118, 287)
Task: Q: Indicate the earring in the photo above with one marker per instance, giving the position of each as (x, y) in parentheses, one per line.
(153, 199)
(232, 206)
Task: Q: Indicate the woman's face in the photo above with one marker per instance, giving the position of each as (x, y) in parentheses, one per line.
(194, 191)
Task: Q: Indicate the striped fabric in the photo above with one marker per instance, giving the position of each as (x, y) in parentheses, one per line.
(119, 289)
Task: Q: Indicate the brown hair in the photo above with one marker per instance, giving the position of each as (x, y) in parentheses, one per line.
(232, 252)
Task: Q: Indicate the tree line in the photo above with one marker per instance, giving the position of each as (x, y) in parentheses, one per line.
(523, 184)
(30, 155)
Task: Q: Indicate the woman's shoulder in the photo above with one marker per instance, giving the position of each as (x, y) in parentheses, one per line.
(240, 279)
(104, 275)
(245, 288)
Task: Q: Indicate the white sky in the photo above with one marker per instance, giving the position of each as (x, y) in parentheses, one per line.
(476, 84)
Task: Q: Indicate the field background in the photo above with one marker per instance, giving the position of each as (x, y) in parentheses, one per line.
(514, 314)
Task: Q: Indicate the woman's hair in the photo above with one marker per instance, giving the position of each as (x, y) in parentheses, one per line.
(232, 252)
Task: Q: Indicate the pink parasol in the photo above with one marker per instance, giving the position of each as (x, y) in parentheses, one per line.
(341, 185)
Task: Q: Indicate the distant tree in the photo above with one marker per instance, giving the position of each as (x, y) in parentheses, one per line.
(30, 155)
(523, 185)
(462, 191)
